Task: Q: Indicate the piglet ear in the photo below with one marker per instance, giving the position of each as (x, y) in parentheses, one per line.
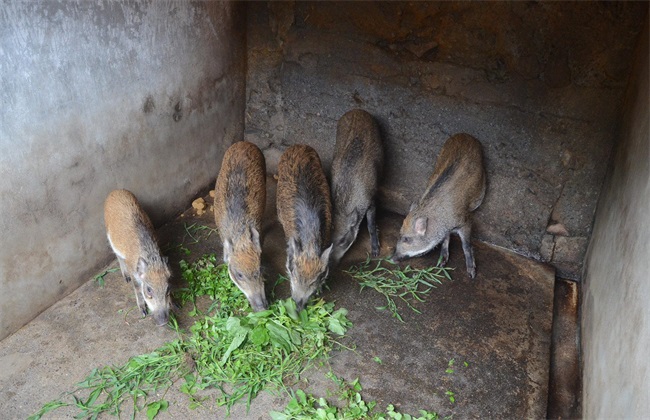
(325, 256)
(227, 250)
(255, 237)
(295, 246)
(142, 266)
(291, 251)
(421, 225)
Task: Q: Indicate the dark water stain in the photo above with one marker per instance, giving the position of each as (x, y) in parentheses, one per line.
(149, 105)
(178, 112)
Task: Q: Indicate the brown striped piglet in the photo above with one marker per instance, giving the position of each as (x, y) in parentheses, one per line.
(239, 202)
(132, 238)
(358, 160)
(305, 212)
(455, 189)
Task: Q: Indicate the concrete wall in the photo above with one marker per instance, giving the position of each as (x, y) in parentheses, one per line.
(615, 309)
(540, 84)
(144, 95)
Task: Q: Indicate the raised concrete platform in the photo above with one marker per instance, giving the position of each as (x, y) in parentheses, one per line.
(500, 324)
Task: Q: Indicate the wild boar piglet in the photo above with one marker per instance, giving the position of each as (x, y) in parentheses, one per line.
(132, 238)
(358, 160)
(305, 212)
(455, 189)
(240, 198)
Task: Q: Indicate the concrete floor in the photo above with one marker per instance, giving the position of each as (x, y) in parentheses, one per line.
(500, 324)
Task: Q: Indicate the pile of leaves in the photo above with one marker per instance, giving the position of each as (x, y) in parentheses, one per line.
(239, 352)
(395, 282)
(231, 349)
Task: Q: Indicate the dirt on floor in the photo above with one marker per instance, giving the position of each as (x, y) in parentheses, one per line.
(496, 329)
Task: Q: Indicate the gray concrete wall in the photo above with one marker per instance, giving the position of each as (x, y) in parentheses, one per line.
(616, 289)
(540, 84)
(144, 95)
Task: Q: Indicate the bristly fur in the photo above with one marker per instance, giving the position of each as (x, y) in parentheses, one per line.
(132, 238)
(303, 197)
(242, 179)
(438, 182)
(356, 168)
(305, 213)
(236, 193)
(240, 199)
(455, 189)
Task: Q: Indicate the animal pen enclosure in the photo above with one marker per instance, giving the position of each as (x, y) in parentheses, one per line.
(148, 96)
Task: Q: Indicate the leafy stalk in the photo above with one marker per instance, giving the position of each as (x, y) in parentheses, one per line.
(394, 282)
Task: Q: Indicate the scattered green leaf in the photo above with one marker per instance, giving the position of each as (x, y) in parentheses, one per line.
(195, 232)
(99, 278)
(50, 406)
(351, 406)
(450, 369)
(451, 396)
(156, 407)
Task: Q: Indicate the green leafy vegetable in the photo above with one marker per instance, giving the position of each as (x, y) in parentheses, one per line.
(232, 349)
(156, 407)
(405, 283)
(352, 406)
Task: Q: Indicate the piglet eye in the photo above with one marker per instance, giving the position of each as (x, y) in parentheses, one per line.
(149, 291)
(406, 240)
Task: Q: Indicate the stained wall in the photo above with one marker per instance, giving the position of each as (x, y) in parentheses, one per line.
(540, 84)
(143, 95)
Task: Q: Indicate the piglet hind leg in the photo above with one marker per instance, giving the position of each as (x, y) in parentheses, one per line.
(444, 251)
(372, 229)
(464, 232)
